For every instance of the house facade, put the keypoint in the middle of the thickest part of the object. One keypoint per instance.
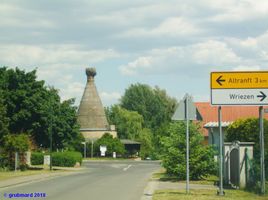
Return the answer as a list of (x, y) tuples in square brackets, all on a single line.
[(209, 123)]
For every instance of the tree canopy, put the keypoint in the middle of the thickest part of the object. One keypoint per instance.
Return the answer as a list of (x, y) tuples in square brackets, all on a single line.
[(174, 150), (153, 104), (28, 106), (3, 119), (142, 113), (128, 123)]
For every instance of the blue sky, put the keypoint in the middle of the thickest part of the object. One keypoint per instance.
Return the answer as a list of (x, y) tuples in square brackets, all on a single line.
[(173, 44)]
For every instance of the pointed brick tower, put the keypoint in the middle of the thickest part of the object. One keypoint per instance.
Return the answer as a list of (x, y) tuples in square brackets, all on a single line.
[(91, 115)]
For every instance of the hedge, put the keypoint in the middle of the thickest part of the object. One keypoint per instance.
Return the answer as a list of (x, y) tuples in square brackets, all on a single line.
[(66, 159), (37, 158), (62, 159)]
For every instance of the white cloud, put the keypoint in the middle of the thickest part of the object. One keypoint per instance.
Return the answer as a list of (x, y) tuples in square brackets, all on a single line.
[(72, 90), (186, 38), (253, 49), (238, 10), (189, 59), (62, 80), (13, 15), (58, 65), (133, 67), (173, 27), (109, 98), (214, 53), (50, 54), (247, 68)]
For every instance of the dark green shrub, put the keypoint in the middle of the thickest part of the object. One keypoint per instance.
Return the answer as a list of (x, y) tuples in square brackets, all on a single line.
[(37, 158), (3, 161), (23, 167), (112, 144), (201, 158), (66, 159)]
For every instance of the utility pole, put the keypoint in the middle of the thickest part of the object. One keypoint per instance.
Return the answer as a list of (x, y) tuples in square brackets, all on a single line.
[(50, 133)]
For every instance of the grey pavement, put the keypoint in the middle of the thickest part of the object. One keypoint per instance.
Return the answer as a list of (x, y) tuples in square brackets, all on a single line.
[(113, 180)]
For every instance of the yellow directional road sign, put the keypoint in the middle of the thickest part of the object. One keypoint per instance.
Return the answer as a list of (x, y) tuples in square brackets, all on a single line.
[(239, 88), (239, 80)]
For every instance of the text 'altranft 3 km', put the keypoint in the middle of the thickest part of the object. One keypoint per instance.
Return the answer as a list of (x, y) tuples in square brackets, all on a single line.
[(239, 88)]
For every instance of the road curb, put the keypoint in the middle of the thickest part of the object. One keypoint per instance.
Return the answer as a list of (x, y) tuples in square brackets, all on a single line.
[(149, 190)]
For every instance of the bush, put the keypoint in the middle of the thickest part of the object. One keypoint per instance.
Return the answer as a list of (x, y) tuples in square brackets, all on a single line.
[(66, 159), (37, 158), (201, 159), (112, 144), (3, 161)]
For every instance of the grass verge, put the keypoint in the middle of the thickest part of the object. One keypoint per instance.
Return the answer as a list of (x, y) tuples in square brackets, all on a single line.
[(5, 175), (205, 195), (162, 176)]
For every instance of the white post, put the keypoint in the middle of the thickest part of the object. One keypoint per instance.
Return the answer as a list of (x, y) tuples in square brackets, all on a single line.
[(16, 161)]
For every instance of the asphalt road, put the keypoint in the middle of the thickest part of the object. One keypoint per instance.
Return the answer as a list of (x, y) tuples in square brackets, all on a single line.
[(106, 180)]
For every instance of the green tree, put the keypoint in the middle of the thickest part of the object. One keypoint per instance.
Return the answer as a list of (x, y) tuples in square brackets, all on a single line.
[(64, 127), (23, 96), (174, 152), (31, 107), (3, 120), (145, 138), (247, 130), (154, 105), (128, 123), (112, 144)]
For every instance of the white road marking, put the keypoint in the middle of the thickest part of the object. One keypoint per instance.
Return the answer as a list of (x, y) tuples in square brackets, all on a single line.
[(126, 168)]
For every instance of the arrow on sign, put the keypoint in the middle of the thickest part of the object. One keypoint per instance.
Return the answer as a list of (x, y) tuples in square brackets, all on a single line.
[(262, 96), (219, 80)]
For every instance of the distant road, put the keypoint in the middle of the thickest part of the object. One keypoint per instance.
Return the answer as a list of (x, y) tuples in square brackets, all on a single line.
[(102, 180)]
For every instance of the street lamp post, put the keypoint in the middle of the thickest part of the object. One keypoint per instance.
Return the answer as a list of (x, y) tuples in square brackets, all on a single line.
[(50, 147), (50, 118)]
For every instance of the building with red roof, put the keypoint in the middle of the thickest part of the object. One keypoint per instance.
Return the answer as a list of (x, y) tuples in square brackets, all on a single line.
[(209, 115)]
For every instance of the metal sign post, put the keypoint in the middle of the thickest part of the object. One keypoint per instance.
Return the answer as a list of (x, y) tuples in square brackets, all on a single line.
[(186, 111), (240, 88), (262, 150), (221, 192), (187, 146), (50, 146)]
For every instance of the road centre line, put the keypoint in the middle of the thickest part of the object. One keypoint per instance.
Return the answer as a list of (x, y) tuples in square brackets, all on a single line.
[(126, 168)]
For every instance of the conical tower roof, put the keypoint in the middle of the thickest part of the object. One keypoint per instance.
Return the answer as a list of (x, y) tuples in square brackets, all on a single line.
[(91, 115)]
